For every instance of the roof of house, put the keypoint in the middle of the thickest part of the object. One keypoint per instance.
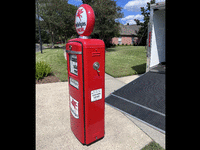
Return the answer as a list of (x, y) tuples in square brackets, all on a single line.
[(129, 29)]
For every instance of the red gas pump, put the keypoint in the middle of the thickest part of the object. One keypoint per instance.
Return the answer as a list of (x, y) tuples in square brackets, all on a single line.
[(86, 76)]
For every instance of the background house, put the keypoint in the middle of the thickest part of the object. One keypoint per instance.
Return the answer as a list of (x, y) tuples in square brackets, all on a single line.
[(128, 35)]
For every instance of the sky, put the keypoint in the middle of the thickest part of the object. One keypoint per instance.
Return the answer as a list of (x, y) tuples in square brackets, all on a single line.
[(130, 8)]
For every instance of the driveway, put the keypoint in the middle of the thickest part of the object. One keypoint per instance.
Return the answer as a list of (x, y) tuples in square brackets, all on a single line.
[(53, 122)]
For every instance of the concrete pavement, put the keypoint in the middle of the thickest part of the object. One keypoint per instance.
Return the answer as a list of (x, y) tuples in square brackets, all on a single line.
[(128, 79), (53, 121)]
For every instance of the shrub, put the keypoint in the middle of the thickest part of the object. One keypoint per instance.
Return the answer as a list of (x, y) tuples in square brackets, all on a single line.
[(122, 44), (42, 69), (70, 38), (126, 44), (108, 45), (118, 44)]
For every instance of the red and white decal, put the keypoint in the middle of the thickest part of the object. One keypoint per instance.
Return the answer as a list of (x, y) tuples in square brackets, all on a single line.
[(74, 107), (81, 20)]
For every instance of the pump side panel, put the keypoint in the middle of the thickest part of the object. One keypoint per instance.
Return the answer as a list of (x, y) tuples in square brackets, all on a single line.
[(94, 51)]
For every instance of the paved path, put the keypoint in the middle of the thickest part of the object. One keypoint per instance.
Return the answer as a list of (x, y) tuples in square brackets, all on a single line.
[(128, 79), (53, 121), (37, 47)]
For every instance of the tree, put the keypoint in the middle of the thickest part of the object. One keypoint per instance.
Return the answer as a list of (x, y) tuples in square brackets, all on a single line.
[(142, 33), (44, 34), (106, 11), (59, 18), (66, 28)]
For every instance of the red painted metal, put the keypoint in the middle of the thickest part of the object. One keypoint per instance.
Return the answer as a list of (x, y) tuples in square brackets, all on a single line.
[(87, 123), (149, 38)]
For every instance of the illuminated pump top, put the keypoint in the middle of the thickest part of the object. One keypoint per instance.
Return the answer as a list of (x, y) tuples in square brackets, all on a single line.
[(84, 21)]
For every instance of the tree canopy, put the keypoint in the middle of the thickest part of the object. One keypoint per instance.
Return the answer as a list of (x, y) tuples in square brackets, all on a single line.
[(142, 33), (58, 18), (106, 12)]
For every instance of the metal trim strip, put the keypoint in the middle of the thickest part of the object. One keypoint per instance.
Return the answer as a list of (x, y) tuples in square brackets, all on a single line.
[(73, 52), (139, 105)]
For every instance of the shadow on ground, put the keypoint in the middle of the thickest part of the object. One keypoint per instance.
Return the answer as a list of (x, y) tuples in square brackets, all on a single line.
[(110, 49), (140, 68)]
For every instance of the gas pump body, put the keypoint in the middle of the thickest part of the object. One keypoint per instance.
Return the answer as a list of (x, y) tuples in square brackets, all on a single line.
[(86, 76)]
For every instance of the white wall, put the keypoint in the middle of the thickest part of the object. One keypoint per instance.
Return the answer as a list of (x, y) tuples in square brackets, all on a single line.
[(158, 38)]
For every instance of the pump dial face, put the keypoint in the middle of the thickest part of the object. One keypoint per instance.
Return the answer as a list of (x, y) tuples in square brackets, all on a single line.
[(96, 65)]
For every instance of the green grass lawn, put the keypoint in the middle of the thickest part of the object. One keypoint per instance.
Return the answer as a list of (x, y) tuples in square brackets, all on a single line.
[(45, 44), (125, 60), (55, 58), (119, 61)]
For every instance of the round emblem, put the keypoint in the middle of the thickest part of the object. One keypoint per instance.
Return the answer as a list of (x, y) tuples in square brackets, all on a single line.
[(84, 20)]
